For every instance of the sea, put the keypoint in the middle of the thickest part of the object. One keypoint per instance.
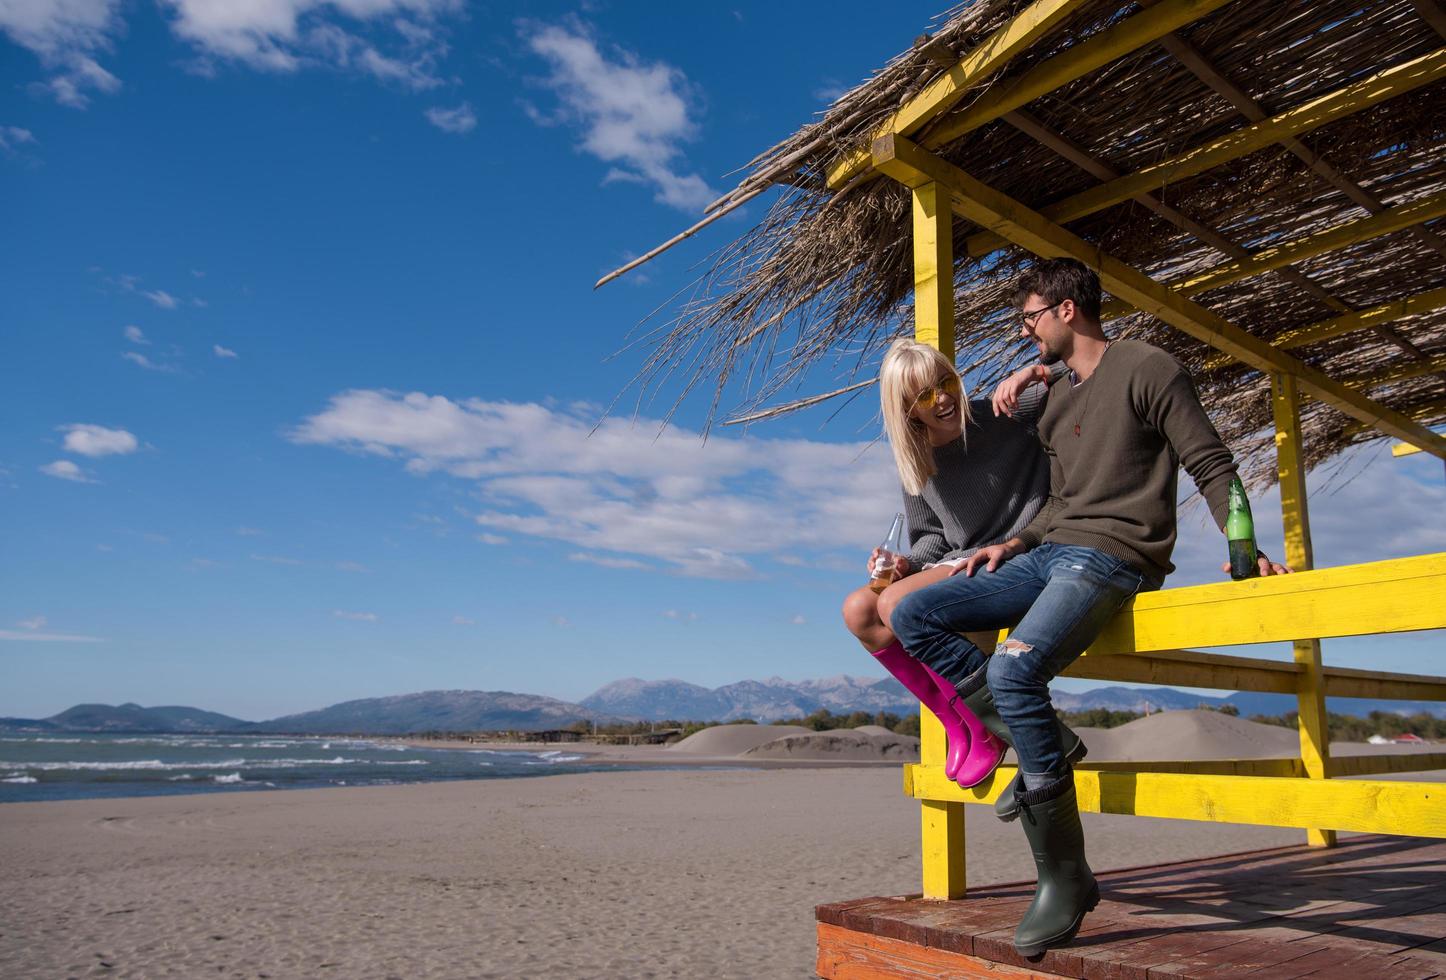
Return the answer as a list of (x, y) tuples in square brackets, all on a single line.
[(88, 766)]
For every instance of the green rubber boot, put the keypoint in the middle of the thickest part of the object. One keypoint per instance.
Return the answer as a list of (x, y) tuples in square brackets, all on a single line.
[(975, 695), (1067, 889)]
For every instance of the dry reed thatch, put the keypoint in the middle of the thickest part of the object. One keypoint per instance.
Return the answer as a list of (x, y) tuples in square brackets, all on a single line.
[(825, 278)]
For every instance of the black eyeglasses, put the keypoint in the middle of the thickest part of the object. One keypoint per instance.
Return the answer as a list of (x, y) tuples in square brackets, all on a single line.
[(1031, 317)]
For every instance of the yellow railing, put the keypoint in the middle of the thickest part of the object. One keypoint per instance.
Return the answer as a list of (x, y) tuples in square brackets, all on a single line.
[(1144, 644)]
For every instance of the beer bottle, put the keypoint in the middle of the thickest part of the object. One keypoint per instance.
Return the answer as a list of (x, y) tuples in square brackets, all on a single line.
[(1240, 533), (886, 567)]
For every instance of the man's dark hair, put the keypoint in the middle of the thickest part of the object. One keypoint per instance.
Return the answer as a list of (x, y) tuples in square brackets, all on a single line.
[(1058, 280)]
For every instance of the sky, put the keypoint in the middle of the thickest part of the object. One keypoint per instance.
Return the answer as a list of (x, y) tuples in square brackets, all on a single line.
[(306, 389)]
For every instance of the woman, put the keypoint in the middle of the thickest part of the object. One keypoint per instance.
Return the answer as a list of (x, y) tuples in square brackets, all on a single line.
[(971, 478)]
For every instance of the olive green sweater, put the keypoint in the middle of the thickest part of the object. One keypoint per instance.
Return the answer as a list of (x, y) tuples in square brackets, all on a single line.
[(1113, 485)]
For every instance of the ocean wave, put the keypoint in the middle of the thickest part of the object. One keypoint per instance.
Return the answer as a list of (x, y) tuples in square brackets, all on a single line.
[(19, 779), (234, 777), (560, 757), (156, 765), (53, 741)]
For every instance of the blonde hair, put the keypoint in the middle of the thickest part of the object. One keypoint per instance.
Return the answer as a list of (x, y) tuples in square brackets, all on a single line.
[(908, 368)]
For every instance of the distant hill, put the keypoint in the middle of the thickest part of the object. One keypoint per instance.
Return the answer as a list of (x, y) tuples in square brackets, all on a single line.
[(436, 711), (127, 718), (759, 700), (633, 699)]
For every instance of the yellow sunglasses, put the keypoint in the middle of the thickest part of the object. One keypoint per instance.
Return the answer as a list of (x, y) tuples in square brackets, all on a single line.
[(929, 397)]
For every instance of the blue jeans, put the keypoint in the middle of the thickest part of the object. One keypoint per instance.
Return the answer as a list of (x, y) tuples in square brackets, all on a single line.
[(1056, 597)]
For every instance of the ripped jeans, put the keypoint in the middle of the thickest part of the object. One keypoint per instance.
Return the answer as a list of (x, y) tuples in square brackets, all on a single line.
[(1056, 597)]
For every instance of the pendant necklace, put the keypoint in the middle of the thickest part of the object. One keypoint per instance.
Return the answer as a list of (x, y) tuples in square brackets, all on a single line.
[(1085, 404)]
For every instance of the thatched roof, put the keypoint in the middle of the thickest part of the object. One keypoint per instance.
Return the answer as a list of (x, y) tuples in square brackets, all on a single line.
[(825, 278)]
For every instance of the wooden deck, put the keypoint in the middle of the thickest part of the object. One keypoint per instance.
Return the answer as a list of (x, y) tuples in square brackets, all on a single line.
[(1373, 908)]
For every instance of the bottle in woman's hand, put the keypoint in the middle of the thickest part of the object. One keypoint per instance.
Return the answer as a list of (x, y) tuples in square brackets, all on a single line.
[(885, 566)]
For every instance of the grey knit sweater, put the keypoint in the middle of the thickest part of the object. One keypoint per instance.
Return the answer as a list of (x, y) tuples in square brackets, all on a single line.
[(989, 485)]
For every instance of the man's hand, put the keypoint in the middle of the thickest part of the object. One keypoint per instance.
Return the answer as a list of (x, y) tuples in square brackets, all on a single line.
[(990, 557), (1267, 567), (1006, 397)]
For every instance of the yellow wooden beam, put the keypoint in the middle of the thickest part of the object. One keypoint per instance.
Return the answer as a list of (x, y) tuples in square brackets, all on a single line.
[(916, 167), (1421, 413), (1188, 668), (1279, 768), (934, 269), (1074, 62), (1315, 736), (1340, 236), (1316, 113), (1375, 316), (1374, 765), (941, 823), (1028, 26), (1400, 808), (1403, 372), (1395, 596), (1404, 449), (1349, 682)]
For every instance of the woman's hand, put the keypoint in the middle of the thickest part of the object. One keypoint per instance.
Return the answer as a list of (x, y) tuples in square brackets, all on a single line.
[(901, 564), (1006, 397)]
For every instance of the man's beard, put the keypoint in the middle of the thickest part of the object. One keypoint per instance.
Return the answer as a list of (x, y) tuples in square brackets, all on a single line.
[(1049, 356)]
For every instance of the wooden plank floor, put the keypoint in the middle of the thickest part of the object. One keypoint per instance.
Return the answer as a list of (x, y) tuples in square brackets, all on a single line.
[(1373, 908)]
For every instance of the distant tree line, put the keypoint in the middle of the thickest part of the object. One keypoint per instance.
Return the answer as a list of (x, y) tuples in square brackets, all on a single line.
[(1348, 728)]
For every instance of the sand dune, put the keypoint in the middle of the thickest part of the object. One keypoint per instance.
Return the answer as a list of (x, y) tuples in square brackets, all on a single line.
[(732, 740), (841, 745), (1191, 734)]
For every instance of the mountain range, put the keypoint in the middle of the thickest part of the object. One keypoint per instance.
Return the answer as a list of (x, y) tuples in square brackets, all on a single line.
[(633, 699)]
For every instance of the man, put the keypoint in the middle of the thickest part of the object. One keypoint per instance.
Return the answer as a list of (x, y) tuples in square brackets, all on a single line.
[(1116, 432)]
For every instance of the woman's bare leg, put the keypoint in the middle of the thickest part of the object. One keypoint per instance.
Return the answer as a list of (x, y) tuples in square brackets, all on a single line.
[(865, 612)]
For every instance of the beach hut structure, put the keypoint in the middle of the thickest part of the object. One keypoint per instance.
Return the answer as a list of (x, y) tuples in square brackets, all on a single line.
[(1261, 187)]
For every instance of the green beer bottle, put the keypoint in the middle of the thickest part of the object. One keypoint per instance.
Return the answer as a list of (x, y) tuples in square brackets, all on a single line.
[(1240, 533)]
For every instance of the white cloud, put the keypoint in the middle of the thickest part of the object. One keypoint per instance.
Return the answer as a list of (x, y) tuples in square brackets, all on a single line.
[(66, 35), (150, 365), (161, 298), (492, 539), (48, 637), (606, 561), (680, 616), (460, 119), (352, 566), (627, 491), (634, 115), (249, 532), (361, 617), (220, 351), (64, 469), (561, 622), (97, 440), (798, 620), (136, 335), (288, 35), (463, 621), (33, 623), (13, 137), (276, 559)]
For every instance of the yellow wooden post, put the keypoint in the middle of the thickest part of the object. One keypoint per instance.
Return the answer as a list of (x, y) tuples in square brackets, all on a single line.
[(942, 823), (1310, 695)]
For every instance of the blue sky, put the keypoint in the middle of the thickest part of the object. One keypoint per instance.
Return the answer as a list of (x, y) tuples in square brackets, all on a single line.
[(302, 358)]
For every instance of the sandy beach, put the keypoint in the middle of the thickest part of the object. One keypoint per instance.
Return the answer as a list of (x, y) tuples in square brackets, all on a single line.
[(709, 872)]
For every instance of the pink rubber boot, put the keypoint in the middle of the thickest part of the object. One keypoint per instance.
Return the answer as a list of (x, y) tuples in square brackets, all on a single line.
[(935, 694), (986, 750)]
